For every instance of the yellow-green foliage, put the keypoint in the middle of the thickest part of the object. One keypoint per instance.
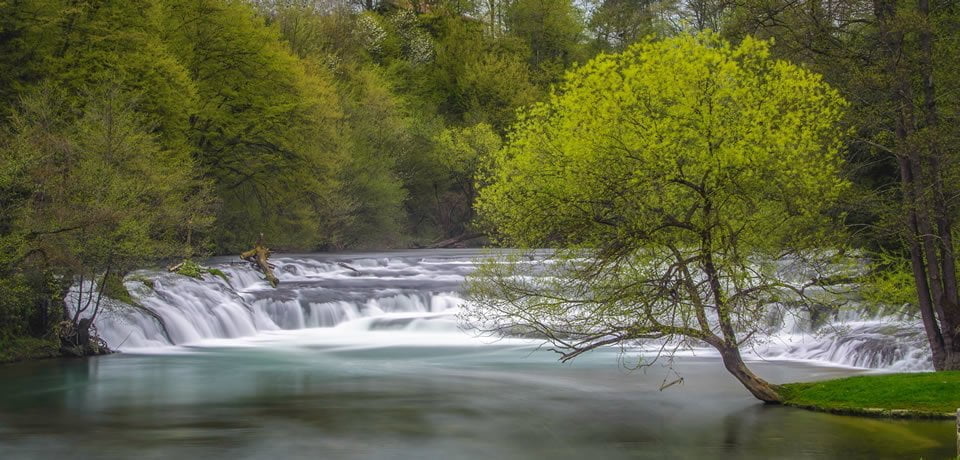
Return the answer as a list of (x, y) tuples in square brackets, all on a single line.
[(686, 129), (99, 191), (464, 151), (121, 44), (673, 179), (483, 80), (265, 132), (890, 284), (191, 269)]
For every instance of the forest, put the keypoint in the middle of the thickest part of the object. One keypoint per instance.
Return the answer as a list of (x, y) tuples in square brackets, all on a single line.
[(148, 132)]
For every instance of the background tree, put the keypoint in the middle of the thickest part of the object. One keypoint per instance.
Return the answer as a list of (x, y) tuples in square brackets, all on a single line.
[(553, 29), (263, 132), (676, 179), (96, 196), (617, 24), (895, 61), (464, 152), (380, 139), (924, 170)]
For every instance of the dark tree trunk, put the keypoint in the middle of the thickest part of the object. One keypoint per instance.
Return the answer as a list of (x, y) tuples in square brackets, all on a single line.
[(78, 342), (924, 195), (948, 310), (83, 333), (728, 345), (758, 387)]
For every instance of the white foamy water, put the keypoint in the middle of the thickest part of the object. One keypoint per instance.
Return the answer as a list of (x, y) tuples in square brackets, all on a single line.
[(872, 342), (374, 291), (410, 298)]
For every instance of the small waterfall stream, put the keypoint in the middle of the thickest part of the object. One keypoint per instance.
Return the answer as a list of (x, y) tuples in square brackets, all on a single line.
[(852, 338), (418, 292)]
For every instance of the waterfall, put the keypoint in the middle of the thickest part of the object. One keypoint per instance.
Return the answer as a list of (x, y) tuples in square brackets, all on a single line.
[(418, 292), (315, 292), (867, 341)]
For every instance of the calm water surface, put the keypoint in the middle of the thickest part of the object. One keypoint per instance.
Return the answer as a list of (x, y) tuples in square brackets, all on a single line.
[(313, 394), (389, 375)]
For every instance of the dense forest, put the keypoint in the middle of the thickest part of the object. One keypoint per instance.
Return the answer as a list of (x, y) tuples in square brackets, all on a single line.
[(143, 131)]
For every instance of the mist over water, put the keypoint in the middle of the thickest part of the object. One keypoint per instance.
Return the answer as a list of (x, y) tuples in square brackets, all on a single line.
[(360, 356), (413, 297)]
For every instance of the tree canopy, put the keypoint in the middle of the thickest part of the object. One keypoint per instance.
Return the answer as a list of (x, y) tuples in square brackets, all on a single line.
[(339, 124), (672, 178)]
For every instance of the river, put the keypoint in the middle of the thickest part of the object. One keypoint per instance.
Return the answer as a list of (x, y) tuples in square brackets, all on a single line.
[(360, 356)]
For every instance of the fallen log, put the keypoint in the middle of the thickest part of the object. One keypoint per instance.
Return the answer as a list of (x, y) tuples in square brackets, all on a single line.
[(348, 267), (258, 256), (455, 240)]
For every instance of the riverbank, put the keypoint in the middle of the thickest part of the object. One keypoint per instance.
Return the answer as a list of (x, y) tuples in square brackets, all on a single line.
[(28, 348), (914, 395)]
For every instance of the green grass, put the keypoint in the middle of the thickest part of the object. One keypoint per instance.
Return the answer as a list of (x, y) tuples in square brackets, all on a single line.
[(25, 348), (916, 394)]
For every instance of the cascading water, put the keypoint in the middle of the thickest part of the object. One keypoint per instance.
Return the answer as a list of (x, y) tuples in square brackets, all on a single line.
[(417, 293), (315, 292), (853, 338)]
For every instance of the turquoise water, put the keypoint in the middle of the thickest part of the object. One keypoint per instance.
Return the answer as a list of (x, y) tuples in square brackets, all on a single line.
[(381, 395), (360, 356)]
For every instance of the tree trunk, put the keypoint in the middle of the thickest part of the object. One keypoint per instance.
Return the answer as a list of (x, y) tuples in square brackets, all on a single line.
[(948, 310), (83, 334), (728, 345), (923, 253), (758, 387), (951, 361), (924, 196), (77, 340)]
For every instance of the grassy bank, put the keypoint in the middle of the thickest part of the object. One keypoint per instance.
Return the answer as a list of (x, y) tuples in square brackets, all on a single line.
[(26, 348), (930, 394)]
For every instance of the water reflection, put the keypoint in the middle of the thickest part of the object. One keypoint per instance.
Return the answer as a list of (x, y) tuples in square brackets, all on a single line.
[(421, 402)]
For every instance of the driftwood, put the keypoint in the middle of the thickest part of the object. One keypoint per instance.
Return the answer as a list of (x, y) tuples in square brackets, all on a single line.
[(455, 240), (258, 256), (348, 267), (665, 385)]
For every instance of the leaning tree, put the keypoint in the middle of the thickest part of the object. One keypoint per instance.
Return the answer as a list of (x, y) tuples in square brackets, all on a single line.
[(676, 181)]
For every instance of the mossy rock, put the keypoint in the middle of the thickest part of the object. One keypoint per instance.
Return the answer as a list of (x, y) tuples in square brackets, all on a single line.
[(196, 271)]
